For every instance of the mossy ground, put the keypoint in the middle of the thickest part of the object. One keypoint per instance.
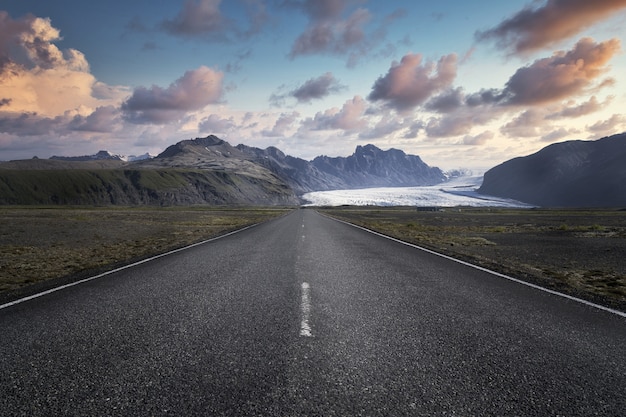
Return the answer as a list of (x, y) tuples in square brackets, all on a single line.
[(43, 243)]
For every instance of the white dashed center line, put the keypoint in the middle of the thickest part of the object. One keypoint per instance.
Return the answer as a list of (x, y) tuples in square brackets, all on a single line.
[(305, 310)]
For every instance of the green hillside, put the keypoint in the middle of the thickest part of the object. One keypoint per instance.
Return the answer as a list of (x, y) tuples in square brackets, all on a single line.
[(138, 187)]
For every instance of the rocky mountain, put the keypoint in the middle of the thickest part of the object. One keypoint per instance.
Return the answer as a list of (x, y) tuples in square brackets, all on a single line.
[(367, 167), (568, 174), (370, 166)]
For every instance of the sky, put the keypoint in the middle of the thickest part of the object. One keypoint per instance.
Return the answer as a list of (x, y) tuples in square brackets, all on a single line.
[(462, 84)]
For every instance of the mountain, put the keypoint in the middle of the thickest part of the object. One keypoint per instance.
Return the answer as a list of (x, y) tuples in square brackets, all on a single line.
[(100, 156), (205, 171), (568, 174), (367, 167), (370, 166)]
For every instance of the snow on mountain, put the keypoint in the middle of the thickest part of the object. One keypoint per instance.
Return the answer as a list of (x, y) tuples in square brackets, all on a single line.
[(133, 158)]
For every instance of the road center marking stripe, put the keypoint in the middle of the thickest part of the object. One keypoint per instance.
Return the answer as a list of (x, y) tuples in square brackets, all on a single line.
[(305, 310)]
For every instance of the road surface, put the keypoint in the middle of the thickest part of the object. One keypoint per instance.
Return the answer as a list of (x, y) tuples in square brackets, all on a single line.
[(307, 316)]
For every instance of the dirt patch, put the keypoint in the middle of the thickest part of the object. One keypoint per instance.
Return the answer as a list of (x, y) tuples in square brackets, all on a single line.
[(579, 252), (41, 247)]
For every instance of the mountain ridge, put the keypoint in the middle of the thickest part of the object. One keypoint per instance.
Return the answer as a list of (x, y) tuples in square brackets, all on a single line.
[(573, 173), (205, 170)]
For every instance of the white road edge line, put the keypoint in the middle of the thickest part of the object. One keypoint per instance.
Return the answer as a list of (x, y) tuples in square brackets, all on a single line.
[(305, 310), (519, 281), (121, 268)]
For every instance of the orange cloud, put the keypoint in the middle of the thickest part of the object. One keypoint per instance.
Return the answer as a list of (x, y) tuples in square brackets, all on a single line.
[(557, 20), (563, 75), (37, 77)]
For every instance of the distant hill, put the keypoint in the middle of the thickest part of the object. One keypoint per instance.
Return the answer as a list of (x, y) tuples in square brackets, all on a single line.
[(100, 156), (568, 174)]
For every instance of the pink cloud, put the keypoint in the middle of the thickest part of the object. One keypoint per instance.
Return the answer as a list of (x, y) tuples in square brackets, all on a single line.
[(571, 111), (478, 140), (348, 118), (216, 124), (615, 124), (410, 83), (555, 20), (193, 91), (565, 74), (282, 125)]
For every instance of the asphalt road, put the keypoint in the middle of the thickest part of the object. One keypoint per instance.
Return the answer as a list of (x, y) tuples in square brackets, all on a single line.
[(306, 316)]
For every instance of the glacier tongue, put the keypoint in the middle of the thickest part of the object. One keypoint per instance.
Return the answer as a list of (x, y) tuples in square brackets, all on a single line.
[(458, 192)]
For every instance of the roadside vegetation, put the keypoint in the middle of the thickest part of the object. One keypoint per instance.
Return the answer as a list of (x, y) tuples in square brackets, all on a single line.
[(39, 244), (579, 252)]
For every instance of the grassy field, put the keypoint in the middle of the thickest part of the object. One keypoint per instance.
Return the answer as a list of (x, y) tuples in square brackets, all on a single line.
[(580, 252), (40, 244)]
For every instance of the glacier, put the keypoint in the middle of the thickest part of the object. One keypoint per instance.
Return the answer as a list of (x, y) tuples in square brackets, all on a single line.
[(460, 191)]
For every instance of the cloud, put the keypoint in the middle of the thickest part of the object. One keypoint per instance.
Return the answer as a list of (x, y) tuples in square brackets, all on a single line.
[(558, 134), (447, 101), (572, 111), (216, 124), (452, 125), (104, 119), (193, 91), (478, 140), (530, 123), (408, 83), (386, 126), (614, 124), (562, 75), (547, 80), (37, 77), (336, 28), (204, 19), (349, 117), (555, 20), (312, 89), (317, 88), (36, 36), (331, 35), (198, 18), (282, 125), (28, 124)]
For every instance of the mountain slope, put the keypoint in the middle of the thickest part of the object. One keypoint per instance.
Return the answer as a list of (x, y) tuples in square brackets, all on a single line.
[(161, 187), (568, 174)]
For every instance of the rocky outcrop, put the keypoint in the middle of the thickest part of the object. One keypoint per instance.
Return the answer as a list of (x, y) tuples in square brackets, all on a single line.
[(568, 174), (368, 166)]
